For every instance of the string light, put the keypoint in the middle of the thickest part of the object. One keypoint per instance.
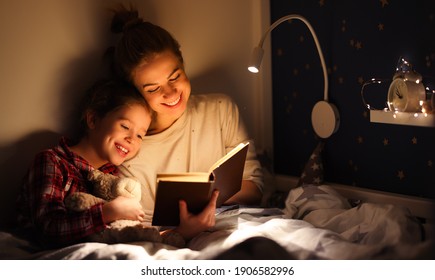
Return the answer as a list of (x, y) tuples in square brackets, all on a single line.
[(371, 81), (379, 81)]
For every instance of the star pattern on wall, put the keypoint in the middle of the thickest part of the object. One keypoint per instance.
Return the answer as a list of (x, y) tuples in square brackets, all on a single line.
[(355, 44), (384, 3), (352, 165), (401, 174), (343, 25)]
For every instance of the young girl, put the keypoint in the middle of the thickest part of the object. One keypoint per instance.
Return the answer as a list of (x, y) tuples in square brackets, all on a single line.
[(189, 132), (114, 122)]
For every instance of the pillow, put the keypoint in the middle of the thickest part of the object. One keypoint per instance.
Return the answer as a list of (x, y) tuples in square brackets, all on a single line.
[(303, 200), (313, 171)]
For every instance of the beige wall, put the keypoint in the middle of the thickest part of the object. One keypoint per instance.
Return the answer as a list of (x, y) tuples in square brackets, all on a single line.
[(50, 51)]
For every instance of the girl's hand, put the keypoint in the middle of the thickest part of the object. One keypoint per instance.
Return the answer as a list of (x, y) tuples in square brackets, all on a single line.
[(123, 208), (190, 224)]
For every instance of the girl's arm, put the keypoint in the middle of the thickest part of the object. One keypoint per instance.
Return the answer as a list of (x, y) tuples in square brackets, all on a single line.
[(48, 183), (123, 208)]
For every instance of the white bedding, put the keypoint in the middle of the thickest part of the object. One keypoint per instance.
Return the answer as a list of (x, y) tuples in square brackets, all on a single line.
[(316, 223)]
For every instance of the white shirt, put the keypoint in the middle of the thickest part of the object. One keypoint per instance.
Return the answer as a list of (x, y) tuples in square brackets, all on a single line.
[(208, 129)]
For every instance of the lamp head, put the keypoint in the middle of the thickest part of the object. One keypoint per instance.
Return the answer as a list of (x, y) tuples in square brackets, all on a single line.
[(257, 56)]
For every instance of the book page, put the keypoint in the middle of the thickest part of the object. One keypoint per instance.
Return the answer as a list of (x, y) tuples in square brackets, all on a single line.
[(184, 177)]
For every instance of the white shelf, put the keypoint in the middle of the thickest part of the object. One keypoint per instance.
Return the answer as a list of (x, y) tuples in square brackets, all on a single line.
[(402, 118)]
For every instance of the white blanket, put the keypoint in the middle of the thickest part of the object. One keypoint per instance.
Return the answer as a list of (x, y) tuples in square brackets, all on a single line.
[(316, 223)]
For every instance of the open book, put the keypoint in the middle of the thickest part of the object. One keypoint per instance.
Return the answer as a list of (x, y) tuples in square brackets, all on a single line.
[(196, 188)]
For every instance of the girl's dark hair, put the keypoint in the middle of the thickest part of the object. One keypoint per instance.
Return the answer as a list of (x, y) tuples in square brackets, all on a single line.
[(106, 96), (139, 41)]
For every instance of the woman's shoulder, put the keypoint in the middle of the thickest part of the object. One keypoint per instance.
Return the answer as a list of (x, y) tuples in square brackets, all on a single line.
[(212, 99), (212, 104)]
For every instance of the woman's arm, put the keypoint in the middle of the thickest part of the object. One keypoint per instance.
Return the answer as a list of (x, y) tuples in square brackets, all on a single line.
[(235, 132), (249, 194)]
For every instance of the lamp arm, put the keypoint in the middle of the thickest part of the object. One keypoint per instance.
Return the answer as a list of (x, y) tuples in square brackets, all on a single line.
[(316, 41)]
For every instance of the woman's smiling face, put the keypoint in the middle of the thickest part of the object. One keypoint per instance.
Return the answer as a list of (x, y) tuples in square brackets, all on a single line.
[(163, 83)]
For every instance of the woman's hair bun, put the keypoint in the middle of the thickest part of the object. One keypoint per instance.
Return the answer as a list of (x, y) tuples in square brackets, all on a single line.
[(124, 19)]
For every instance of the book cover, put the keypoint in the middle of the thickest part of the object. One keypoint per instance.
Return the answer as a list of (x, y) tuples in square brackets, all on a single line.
[(196, 187)]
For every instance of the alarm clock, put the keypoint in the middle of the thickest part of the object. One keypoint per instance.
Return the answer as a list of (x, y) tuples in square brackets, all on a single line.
[(406, 92)]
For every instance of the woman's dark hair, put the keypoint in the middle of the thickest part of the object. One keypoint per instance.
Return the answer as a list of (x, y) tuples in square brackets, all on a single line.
[(140, 41), (106, 96)]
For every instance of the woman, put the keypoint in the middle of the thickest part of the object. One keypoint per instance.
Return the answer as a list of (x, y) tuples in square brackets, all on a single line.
[(189, 132)]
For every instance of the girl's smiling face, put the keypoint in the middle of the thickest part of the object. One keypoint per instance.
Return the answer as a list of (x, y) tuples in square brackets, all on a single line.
[(118, 135), (163, 83)]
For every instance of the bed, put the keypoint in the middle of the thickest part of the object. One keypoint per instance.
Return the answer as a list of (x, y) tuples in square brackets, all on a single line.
[(323, 221)]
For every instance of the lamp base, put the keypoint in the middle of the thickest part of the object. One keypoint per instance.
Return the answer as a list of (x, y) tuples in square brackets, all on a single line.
[(325, 119)]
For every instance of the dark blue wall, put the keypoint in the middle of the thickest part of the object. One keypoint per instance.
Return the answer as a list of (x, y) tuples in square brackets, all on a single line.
[(360, 40)]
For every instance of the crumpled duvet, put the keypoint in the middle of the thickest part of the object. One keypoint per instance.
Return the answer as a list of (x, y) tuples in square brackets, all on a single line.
[(316, 223)]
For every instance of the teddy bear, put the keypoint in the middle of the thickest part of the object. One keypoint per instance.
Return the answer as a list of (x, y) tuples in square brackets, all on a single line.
[(106, 187)]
